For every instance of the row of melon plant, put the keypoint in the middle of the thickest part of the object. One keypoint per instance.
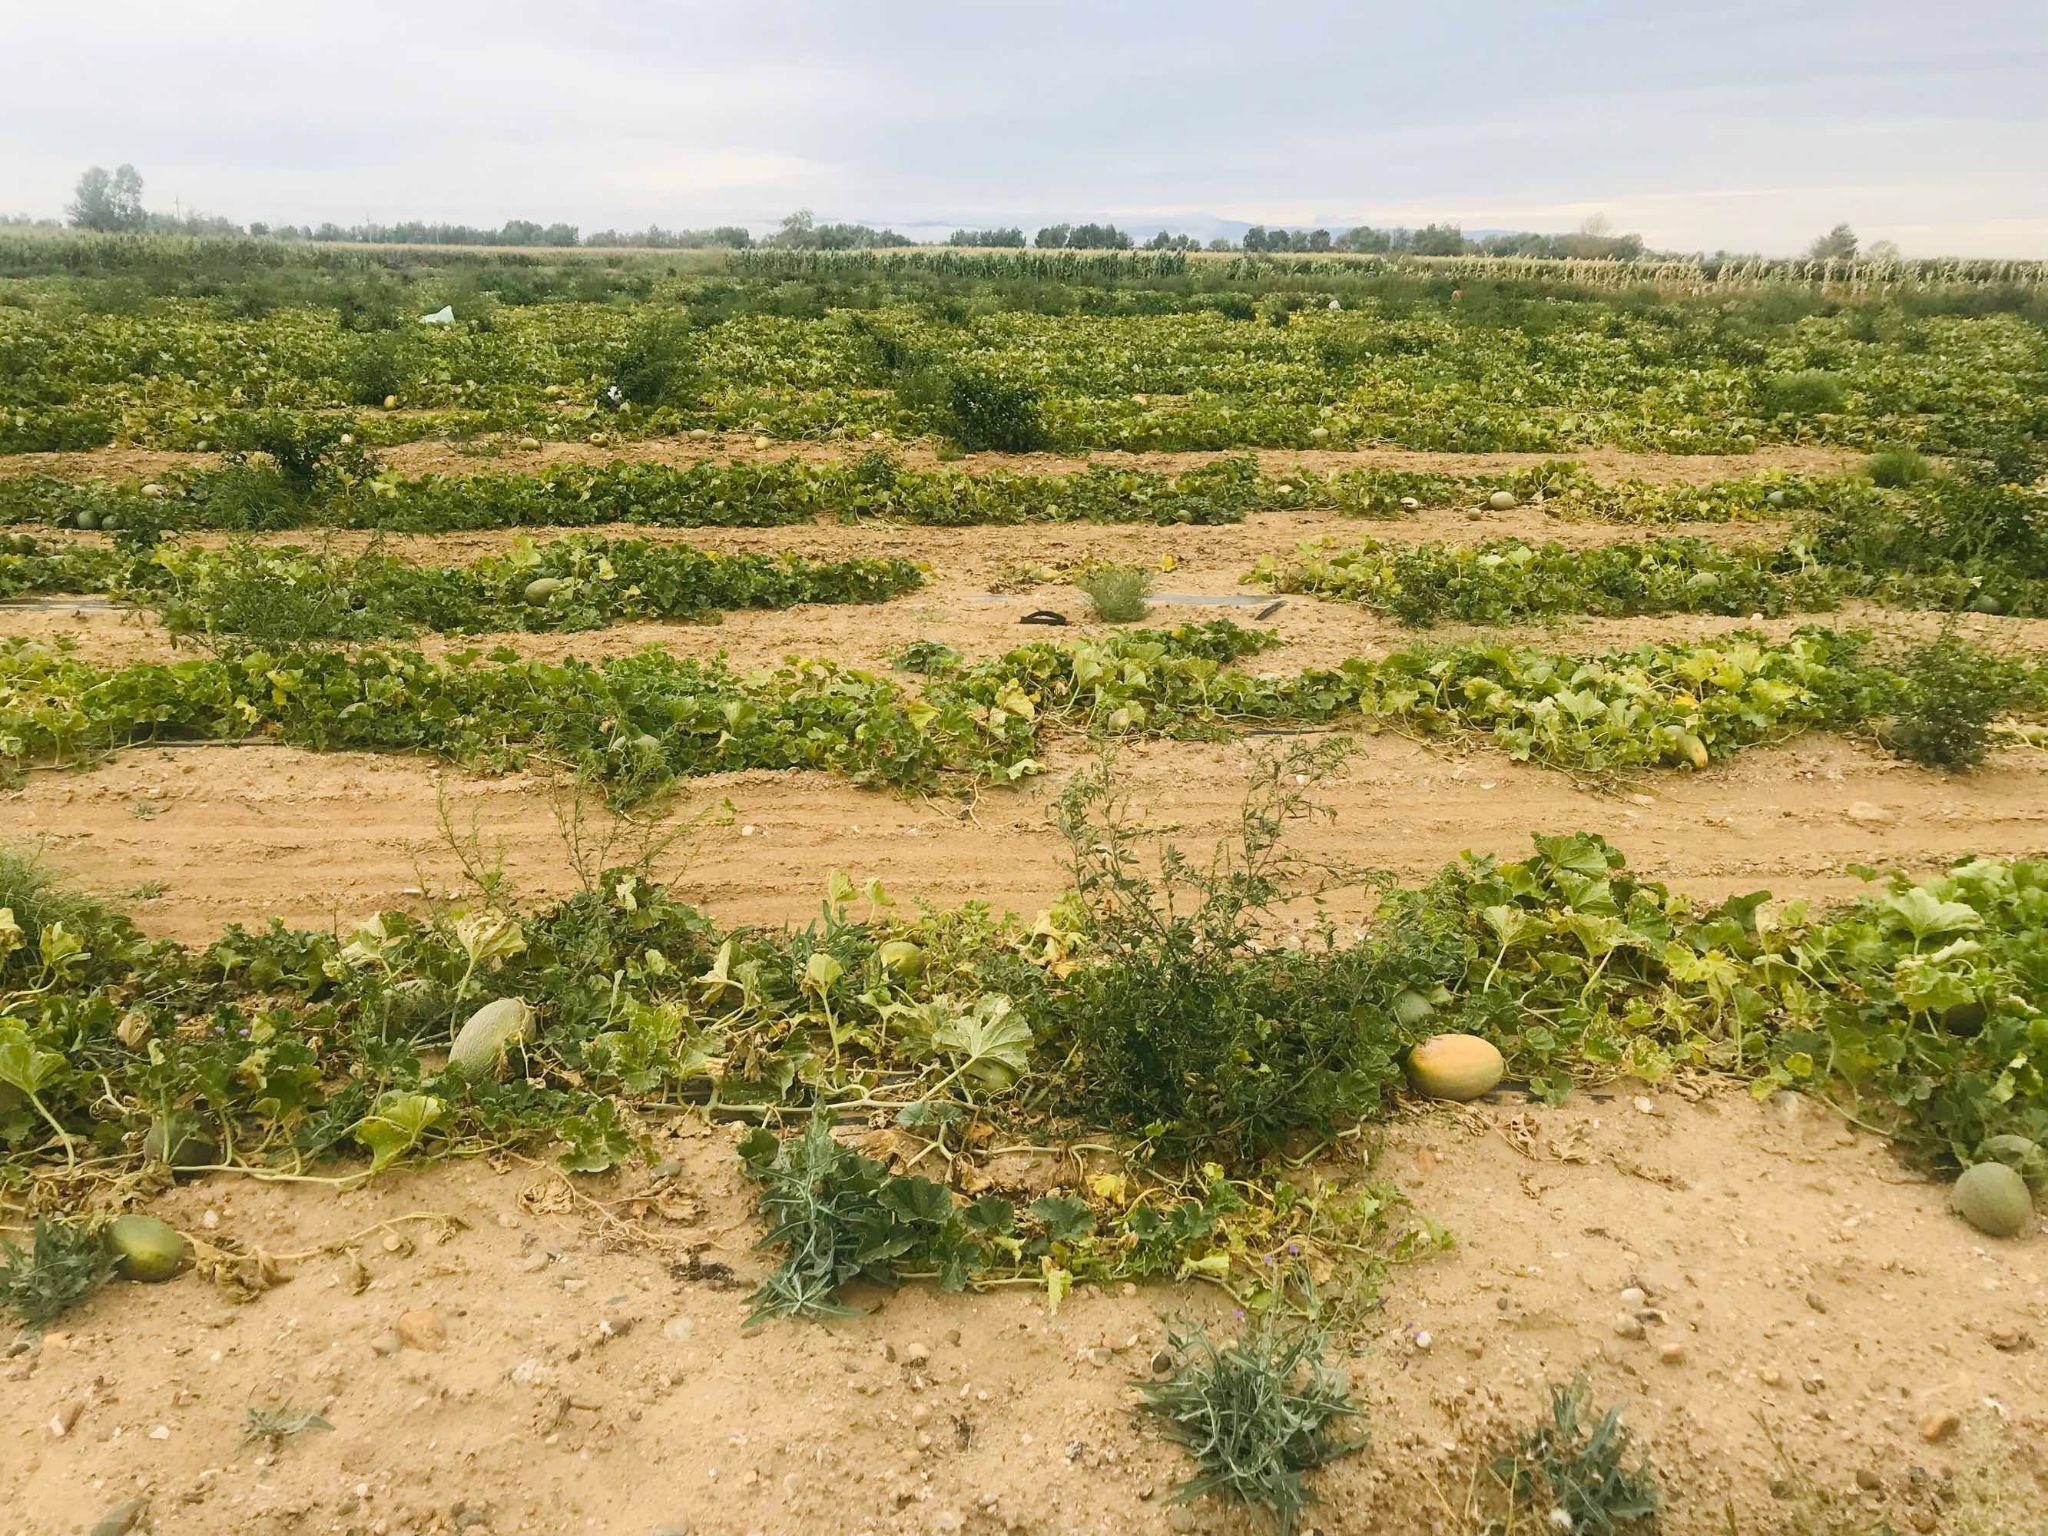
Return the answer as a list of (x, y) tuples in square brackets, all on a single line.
[(256, 495), (1912, 1007), (1510, 581), (287, 594), (642, 721)]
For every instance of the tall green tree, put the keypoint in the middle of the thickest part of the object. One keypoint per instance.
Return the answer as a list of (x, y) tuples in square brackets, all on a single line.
[(108, 199), (1838, 244)]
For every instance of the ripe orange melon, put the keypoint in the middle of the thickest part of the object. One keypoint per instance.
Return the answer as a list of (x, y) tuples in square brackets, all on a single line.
[(1454, 1067)]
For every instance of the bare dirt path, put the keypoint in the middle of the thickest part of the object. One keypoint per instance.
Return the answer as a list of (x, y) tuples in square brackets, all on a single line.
[(203, 836), (1825, 1342), (501, 455)]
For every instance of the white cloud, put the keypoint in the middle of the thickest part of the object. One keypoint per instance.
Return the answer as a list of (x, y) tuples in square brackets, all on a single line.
[(1738, 125)]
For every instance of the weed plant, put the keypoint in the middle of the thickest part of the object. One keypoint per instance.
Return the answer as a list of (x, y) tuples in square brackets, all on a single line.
[(64, 1265), (1256, 1414), (1120, 594)]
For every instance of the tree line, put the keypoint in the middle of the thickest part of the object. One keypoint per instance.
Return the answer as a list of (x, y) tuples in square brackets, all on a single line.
[(112, 201)]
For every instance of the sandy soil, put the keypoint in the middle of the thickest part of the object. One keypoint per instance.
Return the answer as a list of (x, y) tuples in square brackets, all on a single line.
[(503, 454), (211, 835), (574, 1360)]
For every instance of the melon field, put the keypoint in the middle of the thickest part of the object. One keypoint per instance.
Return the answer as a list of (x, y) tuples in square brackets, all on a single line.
[(1019, 894)]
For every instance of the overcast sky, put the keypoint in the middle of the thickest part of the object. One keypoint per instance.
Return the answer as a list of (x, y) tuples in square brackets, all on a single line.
[(1745, 126)]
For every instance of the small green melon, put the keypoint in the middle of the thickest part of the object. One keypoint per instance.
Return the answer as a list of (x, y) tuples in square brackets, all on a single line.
[(1411, 1008), (902, 958), (145, 1248), (1776, 498), (1985, 602), (540, 591), (1503, 501), (1966, 1017), (1454, 1067), (88, 520), (178, 1141), (1994, 1199), (480, 1045)]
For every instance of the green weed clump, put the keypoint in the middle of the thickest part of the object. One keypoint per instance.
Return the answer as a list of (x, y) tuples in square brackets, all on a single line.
[(1951, 692), (1256, 1414), (657, 366), (1810, 392), (1120, 594), (66, 1263), (988, 411), (1187, 1029), (1893, 468), (1582, 1462)]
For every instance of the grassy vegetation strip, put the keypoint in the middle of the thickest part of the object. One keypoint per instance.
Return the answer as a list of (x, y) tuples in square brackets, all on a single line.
[(1938, 542), (638, 722)]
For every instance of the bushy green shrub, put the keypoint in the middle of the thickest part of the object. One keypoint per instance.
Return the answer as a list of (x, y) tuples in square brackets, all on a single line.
[(1188, 1028), (1809, 392), (1893, 468), (376, 369), (657, 366), (989, 412), (1120, 593), (1952, 692)]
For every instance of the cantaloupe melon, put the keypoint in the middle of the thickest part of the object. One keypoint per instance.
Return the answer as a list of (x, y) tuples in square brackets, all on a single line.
[(902, 958), (482, 1043), (145, 1248), (541, 589), (1454, 1067), (177, 1141), (1994, 1199), (1503, 501)]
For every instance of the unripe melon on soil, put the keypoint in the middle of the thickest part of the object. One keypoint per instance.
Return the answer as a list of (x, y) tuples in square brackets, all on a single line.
[(539, 591), (1994, 1199), (1776, 498), (1503, 501), (145, 1248), (480, 1045), (1984, 602), (1454, 1067), (88, 520)]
